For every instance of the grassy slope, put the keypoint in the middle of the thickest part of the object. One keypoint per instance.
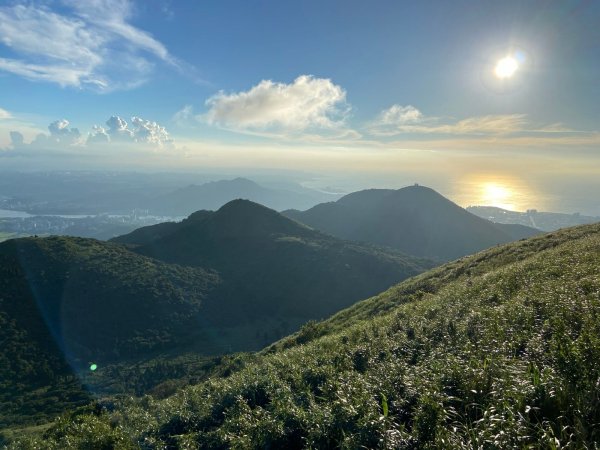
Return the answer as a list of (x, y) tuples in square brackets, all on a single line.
[(496, 350)]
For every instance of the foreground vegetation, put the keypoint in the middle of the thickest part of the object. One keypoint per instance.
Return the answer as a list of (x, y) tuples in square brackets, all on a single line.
[(497, 350)]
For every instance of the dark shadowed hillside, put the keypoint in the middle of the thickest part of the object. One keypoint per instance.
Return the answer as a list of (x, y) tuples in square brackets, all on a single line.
[(273, 268), (415, 220)]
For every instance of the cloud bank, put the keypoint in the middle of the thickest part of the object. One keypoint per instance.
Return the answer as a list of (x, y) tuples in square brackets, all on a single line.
[(305, 103), (60, 137), (139, 133), (86, 44)]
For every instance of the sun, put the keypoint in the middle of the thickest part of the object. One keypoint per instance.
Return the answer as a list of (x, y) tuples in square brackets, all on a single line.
[(506, 67)]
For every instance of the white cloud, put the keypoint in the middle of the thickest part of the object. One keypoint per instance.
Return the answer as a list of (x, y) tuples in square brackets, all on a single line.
[(140, 131), (117, 129), (111, 15), (150, 132), (98, 135), (4, 114), (61, 75), (399, 115), (306, 103), (60, 137), (87, 44)]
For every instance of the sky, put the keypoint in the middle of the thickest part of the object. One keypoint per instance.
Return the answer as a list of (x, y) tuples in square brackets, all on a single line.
[(358, 94)]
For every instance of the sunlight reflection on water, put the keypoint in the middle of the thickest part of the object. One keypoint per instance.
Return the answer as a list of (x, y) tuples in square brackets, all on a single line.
[(502, 191)]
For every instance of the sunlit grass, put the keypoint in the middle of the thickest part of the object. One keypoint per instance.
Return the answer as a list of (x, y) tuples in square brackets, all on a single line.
[(4, 236)]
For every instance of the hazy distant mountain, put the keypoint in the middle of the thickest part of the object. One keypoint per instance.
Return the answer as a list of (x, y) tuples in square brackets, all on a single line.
[(168, 194), (213, 195), (85, 192), (546, 221), (416, 220)]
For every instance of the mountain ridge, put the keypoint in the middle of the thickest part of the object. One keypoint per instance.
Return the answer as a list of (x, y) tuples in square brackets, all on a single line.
[(416, 220), (245, 239)]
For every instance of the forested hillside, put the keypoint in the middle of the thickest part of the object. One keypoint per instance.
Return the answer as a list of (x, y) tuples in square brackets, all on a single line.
[(66, 303), (273, 268)]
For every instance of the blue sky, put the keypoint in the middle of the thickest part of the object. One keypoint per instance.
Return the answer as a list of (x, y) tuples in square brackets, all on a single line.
[(363, 87)]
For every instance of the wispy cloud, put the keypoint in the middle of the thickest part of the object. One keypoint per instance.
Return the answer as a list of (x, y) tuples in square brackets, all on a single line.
[(475, 126), (407, 120), (4, 114), (184, 117), (111, 16), (307, 103), (86, 44)]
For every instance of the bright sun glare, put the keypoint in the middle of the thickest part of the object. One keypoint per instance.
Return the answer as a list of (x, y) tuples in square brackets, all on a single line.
[(494, 194), (506, 67)]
